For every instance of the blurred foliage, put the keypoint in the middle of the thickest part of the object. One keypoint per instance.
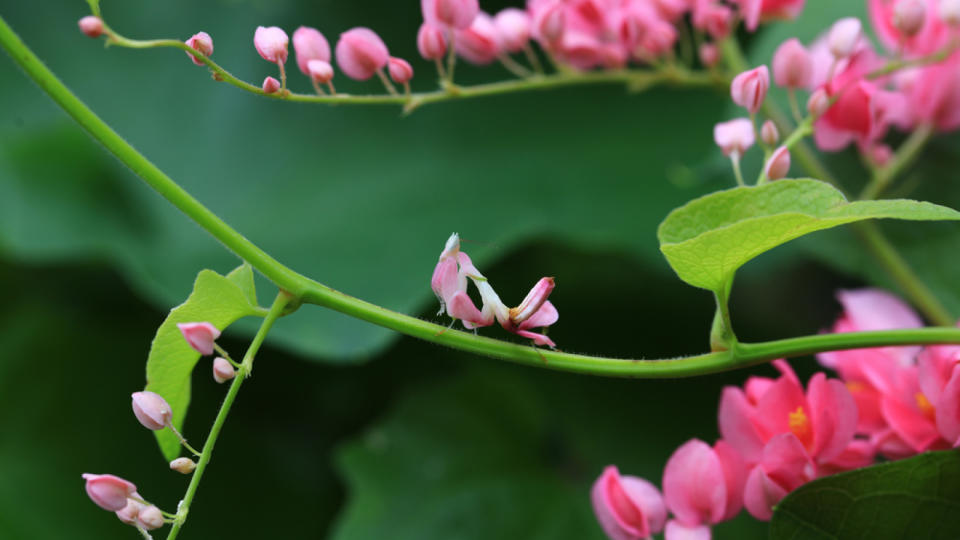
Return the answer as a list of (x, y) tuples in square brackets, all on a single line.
[(421, 442)]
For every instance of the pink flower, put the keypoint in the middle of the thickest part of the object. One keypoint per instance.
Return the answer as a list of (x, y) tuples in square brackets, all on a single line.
[(778, 165), (202, 42), (200, 335), (91, 26), (431, 42), (361, 53), (844, 36), (909, 16), (627, 507), (749, 89), (513, 25), (128, 514), (933, 95), (734, 137), (792, 65), (757, 11), (703, 485), (769, 133), (309, 44), (714, 18), (784, 466), (400, 70), (949, 12), (183, 465), (271, 42), (151, 410), (270, 86), (479, 43), (888, 19), (457, 14), (709, 54), (108, 491), (150, 518), (320, 71), (222, 370), (549, 21)]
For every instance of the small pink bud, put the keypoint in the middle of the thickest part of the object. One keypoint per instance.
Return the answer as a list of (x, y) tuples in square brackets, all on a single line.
[(709, 54), (818, 103), (749, 89), (202, 42), (627, 507), (549, 22), (478, 44), (735, 136), (533, 301), (320, 71), (844, 36), (309, 44), (271, 42), (400, 70), (361, 53), (151, 410), (150, 518), (128, 514), (108, 491), (222, 369), (778, 165), (431, 42), (792, 65), (270, 86), (769, 133), (183, 465), (950, 12), (201, 335), (881, 154), (909, 16), (91, 26), (514, 27), (457, 14)]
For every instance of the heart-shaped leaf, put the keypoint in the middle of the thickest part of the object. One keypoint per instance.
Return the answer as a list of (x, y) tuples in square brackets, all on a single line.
[(707, 240), (215, 299), (913, 498)]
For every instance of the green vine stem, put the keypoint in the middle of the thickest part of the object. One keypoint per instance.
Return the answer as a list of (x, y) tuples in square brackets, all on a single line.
[(303, 289), (246, 366)]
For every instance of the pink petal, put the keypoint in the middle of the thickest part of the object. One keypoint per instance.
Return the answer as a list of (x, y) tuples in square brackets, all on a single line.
[(445, 280), (461, 307), (761, 494), (648, 498), (735, 418), (620, 516), (948, 409), (918, 431), (857, 454), (774, 409), (539, 339), (545, 316), (833, 414), (694, 485), (676, 531), (735, 475), (786, 461)]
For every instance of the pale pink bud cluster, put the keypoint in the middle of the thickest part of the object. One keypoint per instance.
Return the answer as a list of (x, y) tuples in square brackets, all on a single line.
[(449, 282), (202, 43), (91, 26), (115, 494)]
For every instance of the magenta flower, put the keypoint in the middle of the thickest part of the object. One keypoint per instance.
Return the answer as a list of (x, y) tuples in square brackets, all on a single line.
[(151, 410), (479, 43), (202, 42), (431, 42), (458, 14), (909, 25), (400, 70), (784, 466), (702, 486), (201, 335), (309, 44), (108, 491), (757, 11), (361, 53), (627, 507)]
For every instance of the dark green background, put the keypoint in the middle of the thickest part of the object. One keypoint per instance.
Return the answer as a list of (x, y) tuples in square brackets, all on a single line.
[(346, 431)]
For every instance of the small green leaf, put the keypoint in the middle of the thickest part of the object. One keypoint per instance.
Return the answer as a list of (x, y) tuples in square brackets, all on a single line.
[(215, 299), (708, 239), (912, 498)]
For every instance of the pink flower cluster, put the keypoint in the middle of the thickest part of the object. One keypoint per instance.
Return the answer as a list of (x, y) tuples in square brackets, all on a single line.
[(449, 283), (777, 436)]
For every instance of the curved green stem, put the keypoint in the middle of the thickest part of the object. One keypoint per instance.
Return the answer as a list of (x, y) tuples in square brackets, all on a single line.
[(903, 158), (276, 310)]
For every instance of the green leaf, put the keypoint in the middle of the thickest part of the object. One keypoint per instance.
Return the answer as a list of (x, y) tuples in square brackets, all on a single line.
[(912, 498), (707, 240), (215, 299)]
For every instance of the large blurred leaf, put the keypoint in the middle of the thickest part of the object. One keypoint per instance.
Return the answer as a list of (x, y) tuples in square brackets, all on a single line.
[(912, 498), (707, 240), (215, 299), (359, 198)]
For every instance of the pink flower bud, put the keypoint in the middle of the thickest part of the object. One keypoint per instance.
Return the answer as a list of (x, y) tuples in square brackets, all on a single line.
[(108, 491), (222, 369), (431, 42), (183, 465), (202, 42), (271, 42), (881, 154), (533, 301), (909, 16), (91, 26), (480, 43), (514, 27), (949, 11), (769, 133), (270, 85), (844, 36), (400, 70), (128, 514), (201, 335), (778, 165), (735, 136), (549, 22), (150, 518), (361, 53), (457, 14), (627, 507), (749, 89), (151, 410), (818, 103), (792, 65), (309, 44), (709, 54), (320, 71)]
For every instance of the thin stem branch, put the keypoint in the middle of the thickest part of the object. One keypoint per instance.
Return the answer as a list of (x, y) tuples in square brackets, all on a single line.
[(283, 298), (903, 158)]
